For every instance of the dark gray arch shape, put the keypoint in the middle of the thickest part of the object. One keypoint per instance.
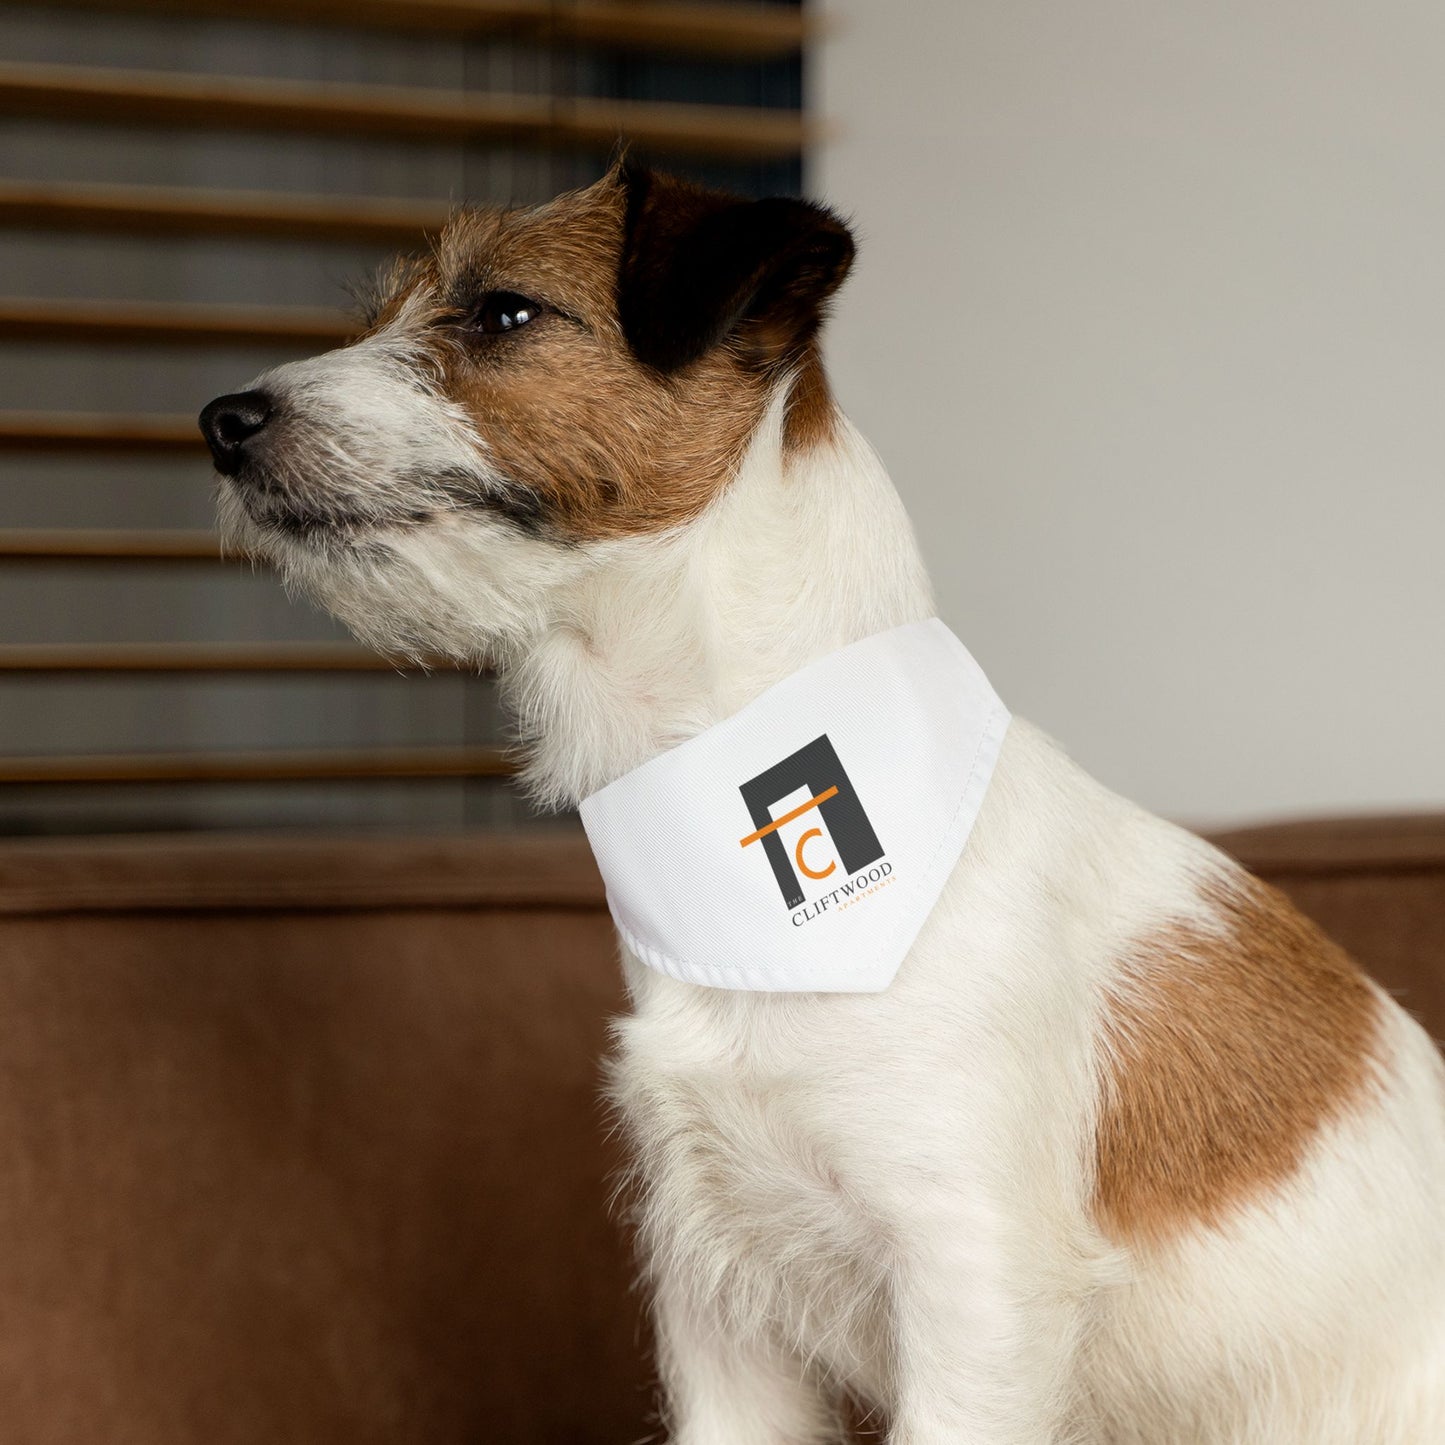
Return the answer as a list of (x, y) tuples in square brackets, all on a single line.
[(817, 767)]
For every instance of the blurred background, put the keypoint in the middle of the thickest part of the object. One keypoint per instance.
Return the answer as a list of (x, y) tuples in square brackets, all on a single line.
[(187, 193), (1149, 324)]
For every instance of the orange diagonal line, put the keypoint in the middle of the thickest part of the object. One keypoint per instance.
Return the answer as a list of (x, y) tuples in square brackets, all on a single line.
[(788, 817)]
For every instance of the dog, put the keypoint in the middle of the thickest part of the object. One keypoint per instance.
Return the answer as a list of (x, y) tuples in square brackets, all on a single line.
[(1128, 1152)]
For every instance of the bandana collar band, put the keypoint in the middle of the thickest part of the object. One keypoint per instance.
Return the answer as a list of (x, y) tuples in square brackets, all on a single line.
[(800, 845)]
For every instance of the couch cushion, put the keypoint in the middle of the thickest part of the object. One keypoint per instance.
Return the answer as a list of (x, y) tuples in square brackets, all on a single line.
[(302, 1143)]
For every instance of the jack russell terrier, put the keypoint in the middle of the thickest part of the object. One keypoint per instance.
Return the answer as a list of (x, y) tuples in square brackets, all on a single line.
[(1095, 1139)]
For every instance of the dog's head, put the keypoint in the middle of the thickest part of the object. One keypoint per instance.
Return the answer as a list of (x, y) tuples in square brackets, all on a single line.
[(544, 383)]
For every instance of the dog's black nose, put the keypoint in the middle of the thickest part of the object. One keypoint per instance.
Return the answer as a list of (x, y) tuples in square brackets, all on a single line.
[(229, 422)]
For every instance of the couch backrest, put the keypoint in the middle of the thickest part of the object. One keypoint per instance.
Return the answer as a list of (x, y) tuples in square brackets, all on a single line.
[(302, 1142)]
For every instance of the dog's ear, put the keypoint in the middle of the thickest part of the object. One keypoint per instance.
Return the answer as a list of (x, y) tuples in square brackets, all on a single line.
[(700, 266)]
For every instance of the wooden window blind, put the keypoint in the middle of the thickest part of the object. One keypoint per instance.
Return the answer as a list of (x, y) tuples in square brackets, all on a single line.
[(185, 188)]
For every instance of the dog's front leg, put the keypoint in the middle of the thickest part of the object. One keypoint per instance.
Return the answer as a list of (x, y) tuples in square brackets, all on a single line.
[(984, 1337), (723, 1387)]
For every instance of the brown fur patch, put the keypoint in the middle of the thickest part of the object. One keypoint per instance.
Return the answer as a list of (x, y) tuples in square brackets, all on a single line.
[(1227, 1052), (603, 444), (812, 415)]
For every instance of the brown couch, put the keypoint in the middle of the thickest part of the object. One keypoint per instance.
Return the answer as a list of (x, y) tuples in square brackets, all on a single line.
[(302, 1141)]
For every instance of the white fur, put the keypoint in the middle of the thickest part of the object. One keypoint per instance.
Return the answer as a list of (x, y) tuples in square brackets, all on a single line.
[(889, 1194)]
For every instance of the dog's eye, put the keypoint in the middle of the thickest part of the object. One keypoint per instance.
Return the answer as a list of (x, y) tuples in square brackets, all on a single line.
[(504, 311)]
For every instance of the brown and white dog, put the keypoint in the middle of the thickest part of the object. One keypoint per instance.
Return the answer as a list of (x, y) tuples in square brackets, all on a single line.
[(1128, 1152)]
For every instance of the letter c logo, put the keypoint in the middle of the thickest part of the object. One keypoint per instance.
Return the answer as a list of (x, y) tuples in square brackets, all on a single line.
[(798, 854)]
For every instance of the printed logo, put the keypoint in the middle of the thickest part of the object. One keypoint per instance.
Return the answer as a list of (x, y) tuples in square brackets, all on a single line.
[(816, 769)]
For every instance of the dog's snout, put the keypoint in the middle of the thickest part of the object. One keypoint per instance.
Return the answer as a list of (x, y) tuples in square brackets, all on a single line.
[(229, 422)]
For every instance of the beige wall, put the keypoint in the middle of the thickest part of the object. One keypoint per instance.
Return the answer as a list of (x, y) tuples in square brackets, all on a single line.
[(1149, 324)]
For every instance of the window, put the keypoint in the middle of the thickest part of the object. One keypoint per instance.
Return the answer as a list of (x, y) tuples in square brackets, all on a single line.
[(185, 193)]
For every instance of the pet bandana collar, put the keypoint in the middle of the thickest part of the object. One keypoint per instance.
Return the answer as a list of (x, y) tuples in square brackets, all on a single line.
[(800, 845)]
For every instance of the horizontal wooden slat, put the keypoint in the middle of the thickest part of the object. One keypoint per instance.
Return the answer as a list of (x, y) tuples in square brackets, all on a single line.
[(84, 431), (331, 765), (175, 211), (220, 102), (192, 657), (79, 544), (756, 32), (294, 869), (707, 28), (171, 323)]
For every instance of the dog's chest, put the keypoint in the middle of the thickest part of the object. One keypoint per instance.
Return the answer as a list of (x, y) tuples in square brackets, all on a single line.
[(746, 1184)]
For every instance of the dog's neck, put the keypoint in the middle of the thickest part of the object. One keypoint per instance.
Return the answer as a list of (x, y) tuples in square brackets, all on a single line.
[(803, 553)]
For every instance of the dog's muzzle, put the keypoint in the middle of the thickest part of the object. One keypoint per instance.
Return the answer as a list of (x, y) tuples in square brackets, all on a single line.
[(231, 423)]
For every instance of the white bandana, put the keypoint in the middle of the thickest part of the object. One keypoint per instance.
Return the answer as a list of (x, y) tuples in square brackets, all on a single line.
[(801, 844)]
